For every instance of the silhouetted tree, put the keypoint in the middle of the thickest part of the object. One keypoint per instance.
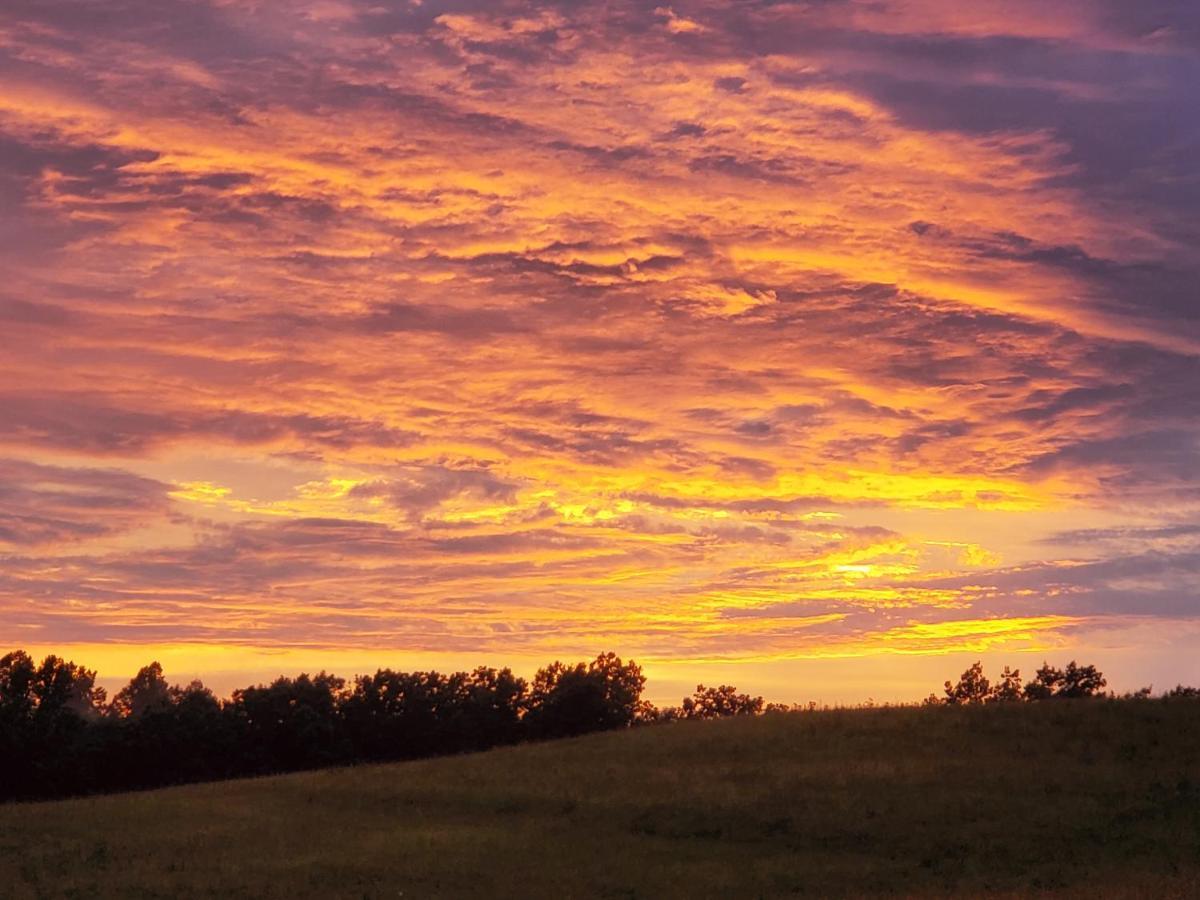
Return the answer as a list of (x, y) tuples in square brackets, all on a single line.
[(623, 686), (60, 686), (1045, 684), (17, 702), (17, 673), (972, 687), (1081, 681), (1074, 681), (47, 710), (489, 708), (570, 700), (397, 715), (204, 742), (1182, 692), (289, 724), (657, 715), (715, 703), (148, 690), (1008, 689), (157, 734)]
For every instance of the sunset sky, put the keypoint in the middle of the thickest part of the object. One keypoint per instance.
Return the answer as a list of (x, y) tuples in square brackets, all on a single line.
[(820, 348)]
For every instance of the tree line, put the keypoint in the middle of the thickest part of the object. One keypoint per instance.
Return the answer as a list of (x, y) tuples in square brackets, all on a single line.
[(60, 734), (1048, 683), (974, 687)]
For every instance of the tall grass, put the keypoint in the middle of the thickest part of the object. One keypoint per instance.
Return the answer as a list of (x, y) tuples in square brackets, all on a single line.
[(1080, 798)]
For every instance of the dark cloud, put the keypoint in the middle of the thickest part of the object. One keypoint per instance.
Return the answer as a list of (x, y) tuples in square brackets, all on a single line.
[(462, 323), (686, 130), (419, 490), (1161, 455), (1127, 535), (78, 422), (48, 505), (1153, 583), (783, 171)]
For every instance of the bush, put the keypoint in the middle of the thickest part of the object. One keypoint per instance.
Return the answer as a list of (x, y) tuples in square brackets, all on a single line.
[(973, 686), (1074, 681), (715, 703)]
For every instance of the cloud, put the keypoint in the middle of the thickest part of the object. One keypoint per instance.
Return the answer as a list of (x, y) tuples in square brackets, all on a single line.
[(419, 490), (51, 505), (711, 331), (79, 422)]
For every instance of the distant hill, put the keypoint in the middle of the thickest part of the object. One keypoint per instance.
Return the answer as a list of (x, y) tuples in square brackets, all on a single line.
[(1074, 798)]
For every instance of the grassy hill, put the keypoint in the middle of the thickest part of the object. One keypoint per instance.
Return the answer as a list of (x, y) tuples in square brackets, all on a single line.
[(1073, 798)]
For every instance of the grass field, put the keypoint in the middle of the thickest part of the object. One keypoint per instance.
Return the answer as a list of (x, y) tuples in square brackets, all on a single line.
[(1091, 798)]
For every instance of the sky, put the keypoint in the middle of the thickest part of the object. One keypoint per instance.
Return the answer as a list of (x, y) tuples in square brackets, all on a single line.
[(820, 348)]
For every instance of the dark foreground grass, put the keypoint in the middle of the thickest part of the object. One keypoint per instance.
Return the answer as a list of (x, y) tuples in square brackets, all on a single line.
[(1072, 798)]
